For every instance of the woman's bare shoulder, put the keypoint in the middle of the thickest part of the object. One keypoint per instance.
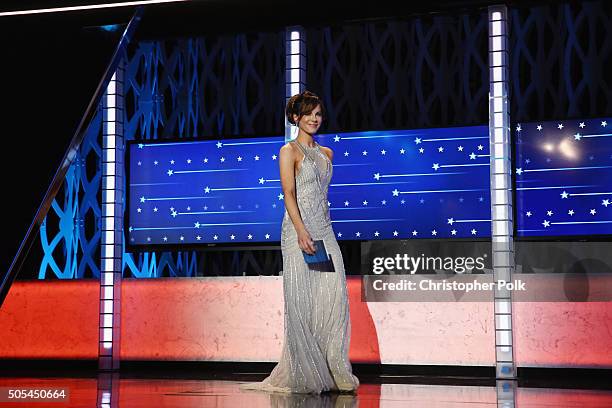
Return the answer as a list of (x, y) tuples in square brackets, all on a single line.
[(328, 151)]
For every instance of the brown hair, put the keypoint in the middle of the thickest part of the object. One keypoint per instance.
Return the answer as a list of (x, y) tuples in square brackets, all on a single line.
[(302, 104)]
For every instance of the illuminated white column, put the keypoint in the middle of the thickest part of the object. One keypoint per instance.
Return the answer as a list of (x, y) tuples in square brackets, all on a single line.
[(295, 70), (501, 196), (112, 223)]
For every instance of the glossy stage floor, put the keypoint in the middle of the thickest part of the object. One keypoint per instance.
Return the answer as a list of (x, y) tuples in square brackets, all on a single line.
[(217, 386)]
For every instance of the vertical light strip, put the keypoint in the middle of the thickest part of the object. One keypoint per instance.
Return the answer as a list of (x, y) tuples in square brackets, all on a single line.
[(501, 197), (112, 223), (295, 70)]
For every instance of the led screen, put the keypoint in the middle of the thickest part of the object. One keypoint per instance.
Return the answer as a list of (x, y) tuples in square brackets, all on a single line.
[(428, 183), (564, 178)]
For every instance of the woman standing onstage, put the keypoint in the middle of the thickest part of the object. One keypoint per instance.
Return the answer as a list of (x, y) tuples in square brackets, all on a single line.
[(317, 327)]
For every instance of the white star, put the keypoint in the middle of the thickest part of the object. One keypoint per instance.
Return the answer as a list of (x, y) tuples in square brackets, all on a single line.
[(528, 213), (155, 209), (140, 146), (440, 149), (473, 156), (383, 152), (604, 123), (564, 194), (171, 161), (329, 203), (142, 199), (131, 229), (197, 225), (232, 237), (219, 144), (481, 199), (174, 214), (365, 153), (403, 201), (414, 233), (346, 154), (395, 193), (140, 163), (570, 212), (518, 128), (473, 231), (207, 189), (165, 239), (256, 157), (422, 201), (527, 161), (454, 232), (249, 236), (274, 157), (358, 234), (395, 233), (205, 160), (188, 161), (273, 205), (222, 207), (156, 162), (539, 127), (377, 176), (139, 210), (593, 211), (261, 180), (205, 207), (402, 151), (605, 203), (435, 166), (560, 126), (434, 233), (267, 236), (519, 171), (546, 223), (149, 239), (451, 221), (222, 159), (417, 140), (577, 136), (339, 234), (336, 138), (346, 203), (549, 213), (384, 202), (365, 202), (376, 233), (460, 148), (170, 172), (215, 237), (581, 124), (182, 238), (198, 237), (239, 158), (421, 150), (281, 196)]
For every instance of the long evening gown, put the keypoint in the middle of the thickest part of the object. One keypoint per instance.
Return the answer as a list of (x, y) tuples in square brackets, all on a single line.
[(317, 327)]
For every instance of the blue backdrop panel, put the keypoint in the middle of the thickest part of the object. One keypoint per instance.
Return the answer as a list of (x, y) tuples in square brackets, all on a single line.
[(564, 177), (430, 183)]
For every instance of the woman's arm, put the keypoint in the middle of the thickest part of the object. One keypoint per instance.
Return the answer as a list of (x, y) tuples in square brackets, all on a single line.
[(286, 163)]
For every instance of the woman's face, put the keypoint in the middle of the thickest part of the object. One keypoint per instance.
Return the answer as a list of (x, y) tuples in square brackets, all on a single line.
[(311, 122)]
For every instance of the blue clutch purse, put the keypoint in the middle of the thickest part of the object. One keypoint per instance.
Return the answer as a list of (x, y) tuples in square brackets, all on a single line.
[(320, 255)]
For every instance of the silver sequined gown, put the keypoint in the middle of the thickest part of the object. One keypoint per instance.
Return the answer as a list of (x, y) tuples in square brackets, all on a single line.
[(317, 327)]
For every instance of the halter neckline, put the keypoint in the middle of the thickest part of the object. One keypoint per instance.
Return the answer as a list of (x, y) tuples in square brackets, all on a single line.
[(308, 147)]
